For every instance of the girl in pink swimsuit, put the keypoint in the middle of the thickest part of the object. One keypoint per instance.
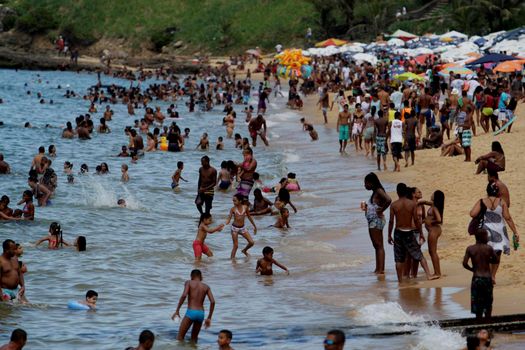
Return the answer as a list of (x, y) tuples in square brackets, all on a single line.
[(239, 212)]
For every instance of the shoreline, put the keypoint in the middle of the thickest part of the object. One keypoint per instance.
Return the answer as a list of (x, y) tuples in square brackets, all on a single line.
[(459, 180)]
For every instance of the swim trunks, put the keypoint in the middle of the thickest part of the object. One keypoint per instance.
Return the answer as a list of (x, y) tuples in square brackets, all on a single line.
[(466, 138), (481, 295), (487, 111), (199, 248), (10, 294), (195, 315), (381, 145), (245, 187), (405, 242), (224, 185), (343, 133), (396, 149), (174, 185)]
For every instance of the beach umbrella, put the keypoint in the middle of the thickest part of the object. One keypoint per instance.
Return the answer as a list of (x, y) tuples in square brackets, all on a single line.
[(396, 42), (401, 34), (456, 70), (509, 67), (408, 76), (365, 57), (253, 52), (422, 58), (331, 42), (493, 58)]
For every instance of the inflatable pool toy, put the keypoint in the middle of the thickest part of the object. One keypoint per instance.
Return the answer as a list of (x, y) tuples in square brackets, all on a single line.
[(293, 187), (163, 143), (507, 124), (75, 305)]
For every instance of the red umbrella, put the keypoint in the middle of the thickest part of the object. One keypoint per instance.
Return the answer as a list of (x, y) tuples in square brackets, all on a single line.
[(421, 59)]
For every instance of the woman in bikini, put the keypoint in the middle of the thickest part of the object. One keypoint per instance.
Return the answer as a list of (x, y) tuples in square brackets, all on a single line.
[(28, 212), (239, 212), (433, 222), (379, 201)]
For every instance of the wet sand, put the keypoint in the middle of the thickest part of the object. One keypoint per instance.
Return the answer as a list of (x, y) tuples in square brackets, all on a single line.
[(462, 189)]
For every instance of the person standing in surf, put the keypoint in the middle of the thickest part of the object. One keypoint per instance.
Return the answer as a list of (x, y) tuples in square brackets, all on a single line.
[(374, 211), (246, 170)]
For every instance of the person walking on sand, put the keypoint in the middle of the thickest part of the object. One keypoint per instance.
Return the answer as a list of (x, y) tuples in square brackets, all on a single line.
[(404, 213), (196, 292), (396, 139), (374, 211), (496, 214)]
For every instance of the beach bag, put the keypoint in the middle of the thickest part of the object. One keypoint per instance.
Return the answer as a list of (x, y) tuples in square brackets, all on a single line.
[(477, 222)]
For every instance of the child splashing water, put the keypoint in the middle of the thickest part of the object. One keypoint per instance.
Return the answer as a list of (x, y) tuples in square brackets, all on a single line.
[(239, 212)]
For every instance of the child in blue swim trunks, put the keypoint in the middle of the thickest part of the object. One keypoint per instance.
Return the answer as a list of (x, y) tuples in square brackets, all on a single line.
[(196, 291)]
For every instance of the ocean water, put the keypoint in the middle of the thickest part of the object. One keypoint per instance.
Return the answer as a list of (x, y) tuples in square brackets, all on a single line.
[(139, 257)]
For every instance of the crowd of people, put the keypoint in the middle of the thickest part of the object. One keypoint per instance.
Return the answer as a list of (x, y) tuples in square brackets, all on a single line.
[(388, 115)]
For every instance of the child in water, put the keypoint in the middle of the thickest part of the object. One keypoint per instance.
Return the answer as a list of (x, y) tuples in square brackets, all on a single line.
[(68, 170), (91, 299), (291, 183), (125, 176), (177, 176), (239, 212), (121, 203), (282, 219), (313, 134), (224, 339), (261, 205), (198, 244), (220, 144), (54, 238), (264, 265), (224, 177), (204, 143)]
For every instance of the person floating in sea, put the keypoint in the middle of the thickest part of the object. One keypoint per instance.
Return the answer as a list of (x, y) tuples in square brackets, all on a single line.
[(17, 341)]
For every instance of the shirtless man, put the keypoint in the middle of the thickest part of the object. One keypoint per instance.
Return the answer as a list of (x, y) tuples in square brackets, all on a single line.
[(384, 97), (410, 126), (136, 141), (196, 291), (37, 160), (159, 117), (482, 256), (324, 103), (108, 113), (343, 127), (206, 185), (407, 223), (256, 127), (424, 101), (146, 341), (4, 166), (17, 342), (82, 131), (11, 276), (380, 127)]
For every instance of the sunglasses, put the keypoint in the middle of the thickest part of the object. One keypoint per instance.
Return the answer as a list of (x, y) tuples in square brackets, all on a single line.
[(329, 342)]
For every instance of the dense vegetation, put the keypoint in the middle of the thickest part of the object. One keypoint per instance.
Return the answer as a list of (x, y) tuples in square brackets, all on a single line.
[(234, 25)]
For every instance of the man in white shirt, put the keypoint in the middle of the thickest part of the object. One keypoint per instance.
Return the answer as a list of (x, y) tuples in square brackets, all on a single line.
[(395, 132), (457, 83)]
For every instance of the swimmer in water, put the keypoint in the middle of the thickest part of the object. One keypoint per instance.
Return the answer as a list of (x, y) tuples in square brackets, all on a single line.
[(264, 264), (282, 219), (17, 341), (220, 144), (224, 177), (204, 143), (121, 203), (146, 341), (261, 205), (224, 339), (91, 299), (239, 212), (54, 238), (125, 177), (177, 176)]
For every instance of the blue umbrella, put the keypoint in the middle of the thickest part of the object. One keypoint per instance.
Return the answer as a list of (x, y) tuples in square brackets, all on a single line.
[(492, 58), (480, 42)]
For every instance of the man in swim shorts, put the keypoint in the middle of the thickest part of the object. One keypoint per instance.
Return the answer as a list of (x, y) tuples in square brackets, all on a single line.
[(380, 126), (11, 277), (343, 126), (206, 186), (404, 212), (196, 291), (483, 256)]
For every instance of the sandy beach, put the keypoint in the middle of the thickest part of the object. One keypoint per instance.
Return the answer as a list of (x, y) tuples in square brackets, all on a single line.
[(462, 189)]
